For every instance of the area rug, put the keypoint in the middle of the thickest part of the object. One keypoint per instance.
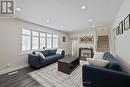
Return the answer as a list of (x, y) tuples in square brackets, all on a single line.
[(49, 76)]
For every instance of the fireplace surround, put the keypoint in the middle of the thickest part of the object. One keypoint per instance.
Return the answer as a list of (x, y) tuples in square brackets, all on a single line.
[(86, 52)]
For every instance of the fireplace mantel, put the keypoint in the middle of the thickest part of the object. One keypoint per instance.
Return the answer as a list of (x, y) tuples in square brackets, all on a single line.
[(89, 49)]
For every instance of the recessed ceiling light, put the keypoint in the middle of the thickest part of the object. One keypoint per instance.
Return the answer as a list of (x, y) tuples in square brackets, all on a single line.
[(47, 20), (61, 26), (18, 9), (90, 20), (83, 7), (93, 26)]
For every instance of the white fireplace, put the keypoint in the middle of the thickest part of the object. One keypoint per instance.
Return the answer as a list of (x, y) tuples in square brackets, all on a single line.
[(86, 52)]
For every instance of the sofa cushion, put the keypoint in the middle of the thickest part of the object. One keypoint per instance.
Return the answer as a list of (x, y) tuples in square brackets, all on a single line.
[(107, 55), (40, 54), (97, 62), (113, 64), (45, 53), (52, 52), (58, 56), (59, 51), (53, 58)]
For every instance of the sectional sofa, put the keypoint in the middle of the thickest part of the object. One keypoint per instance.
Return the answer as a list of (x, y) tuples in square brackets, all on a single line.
[(113, 75)]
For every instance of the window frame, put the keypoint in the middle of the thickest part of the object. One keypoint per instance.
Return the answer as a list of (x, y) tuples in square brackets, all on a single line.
[(39, 37), (32, 39), (53, 40), (50, 38), (22, 38)]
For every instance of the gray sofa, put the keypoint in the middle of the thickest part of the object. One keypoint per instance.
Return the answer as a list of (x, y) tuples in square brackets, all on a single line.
[(37, 62), (110, 76)]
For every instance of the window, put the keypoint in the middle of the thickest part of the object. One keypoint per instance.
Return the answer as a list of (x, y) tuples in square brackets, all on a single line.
[(42, 40), (49, 41), (26, 40), (35, 40), (55, 41)]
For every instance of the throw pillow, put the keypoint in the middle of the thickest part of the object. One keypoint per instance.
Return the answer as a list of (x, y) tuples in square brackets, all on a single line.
[(40, 54), (45, 52), (59, 51), (97, 62), (98, 55)]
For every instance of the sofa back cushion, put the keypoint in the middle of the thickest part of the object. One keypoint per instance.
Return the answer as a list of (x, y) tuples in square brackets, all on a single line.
[(113, 64), (45, 53), (52, 52)]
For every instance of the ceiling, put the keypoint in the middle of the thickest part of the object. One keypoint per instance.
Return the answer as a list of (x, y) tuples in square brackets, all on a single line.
[(66, 15)]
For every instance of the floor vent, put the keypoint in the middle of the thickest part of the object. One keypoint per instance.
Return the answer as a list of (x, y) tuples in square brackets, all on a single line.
[(12, 73)]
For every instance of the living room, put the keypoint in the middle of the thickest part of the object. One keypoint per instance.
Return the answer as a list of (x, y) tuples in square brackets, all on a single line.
[(75, 33)]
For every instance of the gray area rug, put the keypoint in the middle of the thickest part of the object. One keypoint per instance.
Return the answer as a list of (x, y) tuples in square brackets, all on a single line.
[(49, 76)]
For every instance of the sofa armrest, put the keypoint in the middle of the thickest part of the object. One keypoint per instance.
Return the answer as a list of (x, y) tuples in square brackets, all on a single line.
[(34, 60), (101, 77)]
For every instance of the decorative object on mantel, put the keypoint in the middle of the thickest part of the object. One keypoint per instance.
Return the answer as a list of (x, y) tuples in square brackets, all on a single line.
[(63, 39), (127, 22), (117, 30), (86, 39), (121, 27)]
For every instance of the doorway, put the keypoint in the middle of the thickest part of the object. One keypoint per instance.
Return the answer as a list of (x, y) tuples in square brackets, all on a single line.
[(74, 47)]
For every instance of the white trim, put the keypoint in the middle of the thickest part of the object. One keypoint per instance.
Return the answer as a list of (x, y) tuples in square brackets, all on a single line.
[(13, 69), (31, 36)]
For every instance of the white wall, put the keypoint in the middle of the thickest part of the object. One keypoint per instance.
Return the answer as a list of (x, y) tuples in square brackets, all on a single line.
[(103, 31), (122, 42), (10, 42), (77, 35)]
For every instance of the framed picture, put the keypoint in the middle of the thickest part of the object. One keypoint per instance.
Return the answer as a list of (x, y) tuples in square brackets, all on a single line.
[(121, 27), (114, 33), (63, 39), (86, 39), (127, 22), (117, 30)]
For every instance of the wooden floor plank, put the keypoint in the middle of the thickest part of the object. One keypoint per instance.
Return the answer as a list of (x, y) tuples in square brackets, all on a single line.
[(20, 79)]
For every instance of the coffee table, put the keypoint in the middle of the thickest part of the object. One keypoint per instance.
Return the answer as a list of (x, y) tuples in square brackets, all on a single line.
[(68, 64)]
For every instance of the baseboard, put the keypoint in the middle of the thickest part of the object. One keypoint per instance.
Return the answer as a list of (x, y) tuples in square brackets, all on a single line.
[(12, 69)]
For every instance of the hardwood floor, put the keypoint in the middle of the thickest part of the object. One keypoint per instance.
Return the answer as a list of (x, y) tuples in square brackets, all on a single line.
[(21, 79)]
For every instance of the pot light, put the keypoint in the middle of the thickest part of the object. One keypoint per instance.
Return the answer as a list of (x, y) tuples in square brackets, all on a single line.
[(90, 20), (47, 20), (83, 7), (18, 9), (61, 26), (70, 30), (93, 26)]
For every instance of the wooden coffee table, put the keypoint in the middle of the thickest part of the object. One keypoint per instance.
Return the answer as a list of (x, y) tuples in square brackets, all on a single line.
[(68, 64)]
